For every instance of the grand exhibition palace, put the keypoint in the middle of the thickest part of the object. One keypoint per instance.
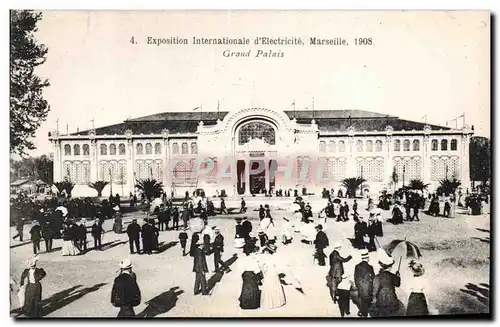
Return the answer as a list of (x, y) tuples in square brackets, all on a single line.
[(255, 150)]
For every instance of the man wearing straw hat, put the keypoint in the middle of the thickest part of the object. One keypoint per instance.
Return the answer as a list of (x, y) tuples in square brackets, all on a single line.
[(363, 279), (126, 293), (200, 268), (336, 269), (385, 302)]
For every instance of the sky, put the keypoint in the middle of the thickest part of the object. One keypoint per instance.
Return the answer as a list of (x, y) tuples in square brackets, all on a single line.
[(420, 63)]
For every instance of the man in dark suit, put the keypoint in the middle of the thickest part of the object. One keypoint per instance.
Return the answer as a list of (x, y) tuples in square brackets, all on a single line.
[(363, 279), (320, 243), (147, 234), (200, 268), (96, 232), (243, 208), (336, 269), (126, 293), (185, 215), (246, 228), (133, 232), (218, 250), (81, 235)]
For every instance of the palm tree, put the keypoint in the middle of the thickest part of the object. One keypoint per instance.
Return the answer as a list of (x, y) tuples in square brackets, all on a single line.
[(150, 187), (417, 184), (64, 186), (98, 186), (352, 184), (447, 186)]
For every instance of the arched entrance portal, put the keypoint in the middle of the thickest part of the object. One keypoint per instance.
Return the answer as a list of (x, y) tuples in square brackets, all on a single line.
[(255, 149)]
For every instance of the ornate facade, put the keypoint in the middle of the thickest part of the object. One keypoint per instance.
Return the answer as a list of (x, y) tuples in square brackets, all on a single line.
[(256, 148)]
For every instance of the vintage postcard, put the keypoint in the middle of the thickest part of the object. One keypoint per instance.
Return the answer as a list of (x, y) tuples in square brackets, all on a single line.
[(250, 164)]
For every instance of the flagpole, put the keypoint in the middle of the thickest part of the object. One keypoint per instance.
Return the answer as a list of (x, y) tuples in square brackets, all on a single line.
[(294, 113), (218, 104), (463, 120), (201, 112), (57, 125), (313, 108)]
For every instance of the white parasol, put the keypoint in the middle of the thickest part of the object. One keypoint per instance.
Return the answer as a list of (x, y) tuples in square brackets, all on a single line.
[(63, 210)]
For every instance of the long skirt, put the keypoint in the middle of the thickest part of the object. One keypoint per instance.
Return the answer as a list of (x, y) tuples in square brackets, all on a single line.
[(68, 248), (417, 305), (33, 300), (117, 228), (250, 293), (272, 295)]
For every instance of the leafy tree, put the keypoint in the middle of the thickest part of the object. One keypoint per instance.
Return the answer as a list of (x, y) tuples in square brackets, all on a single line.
[(447, 186), (480, 158), (417, 184), (150, 187), (44, 169), (28, 109), (64, 186), (352, 184), (98, 186)]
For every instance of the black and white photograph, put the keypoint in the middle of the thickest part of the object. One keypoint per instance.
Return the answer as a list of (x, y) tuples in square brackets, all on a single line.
[(250, 164)]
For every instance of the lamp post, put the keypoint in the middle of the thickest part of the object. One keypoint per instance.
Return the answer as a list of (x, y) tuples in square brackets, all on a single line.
[(110, 183), (446, 171), (361, 181), (404, 169)]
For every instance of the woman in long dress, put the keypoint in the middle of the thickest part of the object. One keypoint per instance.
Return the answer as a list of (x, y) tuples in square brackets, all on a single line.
[(68, 247), (251, 276), (272, 295), (417, 302), (33, 292)]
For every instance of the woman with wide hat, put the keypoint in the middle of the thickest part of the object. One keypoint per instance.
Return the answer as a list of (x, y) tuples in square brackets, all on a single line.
[(30, 279), (385, 300), (417, 303)]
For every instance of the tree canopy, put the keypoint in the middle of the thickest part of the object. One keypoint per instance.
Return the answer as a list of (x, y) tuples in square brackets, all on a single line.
[(28, 108), (480, 158)]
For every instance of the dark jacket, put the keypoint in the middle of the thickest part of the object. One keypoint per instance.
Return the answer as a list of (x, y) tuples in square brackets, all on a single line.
[(337, 264), (363, 279), (36, 233), (96, 230), (219, 243), (47, 232), (200, 261), (183, 236), (185, 215), (321, 240), (194, 239), (39, 275), (133, 231), (246, 228), (125, 292), (384, 289), (81, 232)]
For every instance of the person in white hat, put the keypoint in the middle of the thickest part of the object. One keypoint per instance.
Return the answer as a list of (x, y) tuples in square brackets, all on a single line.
[(218, 246), (126, 293), (32, 297), (344, 295), (200, 268), (385, 300), (363, 279), (336, 269), (417, 302)]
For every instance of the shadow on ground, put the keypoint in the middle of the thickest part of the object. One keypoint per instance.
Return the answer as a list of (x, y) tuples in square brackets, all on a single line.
[(63, 298), (483, 239), (165, 246), (161, 304), (472, 299), (481, 293), (218, 275)]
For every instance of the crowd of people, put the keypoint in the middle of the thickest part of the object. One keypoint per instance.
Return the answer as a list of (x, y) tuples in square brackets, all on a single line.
[(373, 294)]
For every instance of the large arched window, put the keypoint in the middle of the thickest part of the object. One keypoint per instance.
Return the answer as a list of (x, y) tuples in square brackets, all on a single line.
[(184, 148), (175, 148), (322, 146), (76, 150), (139, 148), (378, 146), (67, 150), (369, 146), (453, 145), (86, 149), (359, 146), (157, 148), (104, 150), (341, 146), (121, 149), (416, 145), (112, 149), (434, 145), (444, 145), (332, 146), (149, 148), (194, 148), (406, 145), (256, 130), (397, 145)]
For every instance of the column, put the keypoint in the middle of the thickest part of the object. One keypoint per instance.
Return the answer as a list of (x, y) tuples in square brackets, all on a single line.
[(167, 172), (388, 163), (247, 176), (130, 166), (351, 162), (57, 165), (94, 166), (426, 160), (465, 173)]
